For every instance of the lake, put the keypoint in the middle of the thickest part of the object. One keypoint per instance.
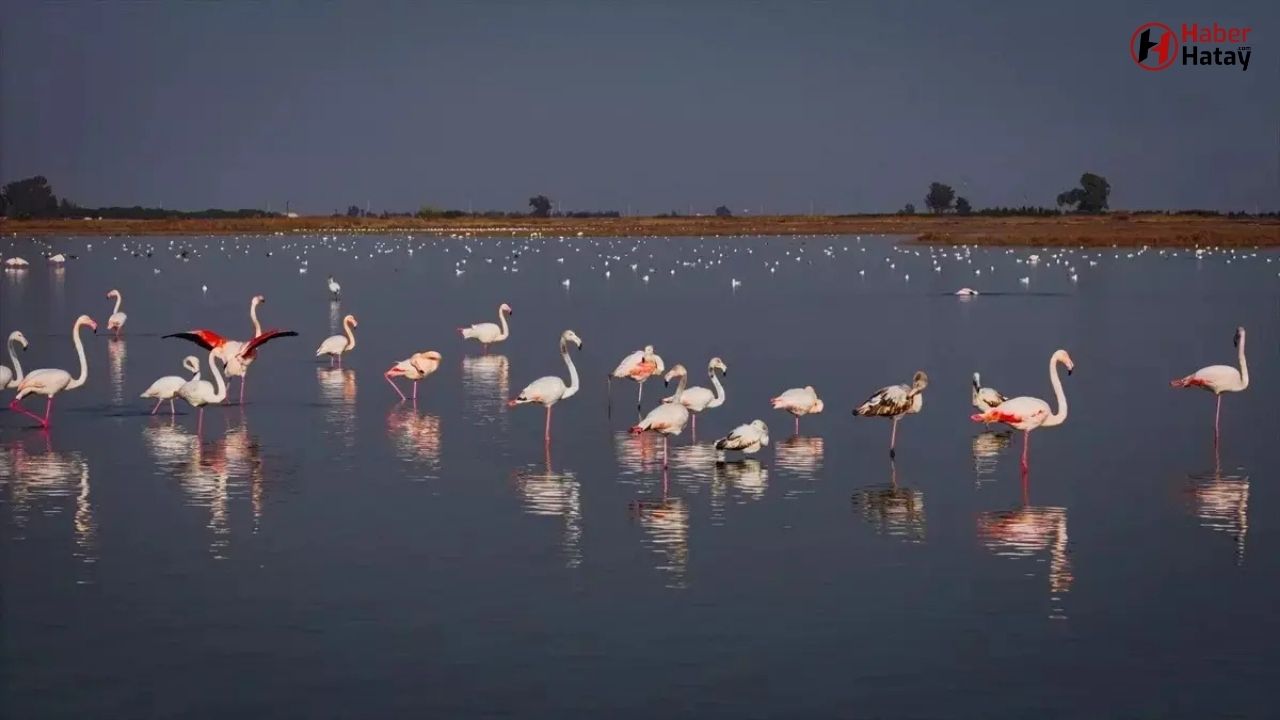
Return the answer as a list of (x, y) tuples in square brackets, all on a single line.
[(328, 551)]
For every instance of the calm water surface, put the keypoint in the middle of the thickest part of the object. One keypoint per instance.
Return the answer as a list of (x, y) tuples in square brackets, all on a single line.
[(326, 551)]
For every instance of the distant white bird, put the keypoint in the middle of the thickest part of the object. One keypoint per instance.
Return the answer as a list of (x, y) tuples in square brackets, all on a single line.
[(335, 345), (57, 259), (799, 402), (335, 290), (1219, 379), (895, 401), (667, 419), (9, 378), (747, 439), (167, 387), (698, 399), (1028, 413), (551, 389), (984, 398), (966, 291), (117, 319), (489, 333), (16, 263)]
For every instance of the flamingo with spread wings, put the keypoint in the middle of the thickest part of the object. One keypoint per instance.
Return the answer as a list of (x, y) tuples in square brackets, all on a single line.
[(236, 356)]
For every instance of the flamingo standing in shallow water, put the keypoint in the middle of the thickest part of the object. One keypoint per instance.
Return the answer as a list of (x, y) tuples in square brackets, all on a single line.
[(50, 381), (167, 387), (115, 323), (1219, 379), (10, 378), (199, 393), (895, 401), (747, 438), (488, 333), (335, 345), (416, 367), (670, 418), (1028, 413), (550, 390), (236, 356), (985, 398), (698, 399), (639, 366), (799, 402)]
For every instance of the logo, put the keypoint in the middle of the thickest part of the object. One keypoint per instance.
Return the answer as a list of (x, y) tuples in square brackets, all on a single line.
[(1155, 46)]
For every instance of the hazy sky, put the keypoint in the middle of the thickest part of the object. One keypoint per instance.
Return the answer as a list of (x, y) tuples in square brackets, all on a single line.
[(850, 106)]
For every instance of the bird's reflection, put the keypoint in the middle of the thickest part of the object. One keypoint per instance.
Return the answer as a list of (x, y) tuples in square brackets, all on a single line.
[(1026, 532), (335, 317), (486, 382), (117, 353), (338, 391), (637, 454), (547, 493), (416, 437), (42, 481), (800, 458), (987, 447), (892, 509), (665, 521), (1221, 502), (747, 479)]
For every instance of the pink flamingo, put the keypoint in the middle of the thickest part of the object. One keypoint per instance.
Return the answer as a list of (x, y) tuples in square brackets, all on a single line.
[(236, 356), (416, 367), (1028, 413), (550, 390), (668, 419), (799, 402), (1219, 379), (51, 381)]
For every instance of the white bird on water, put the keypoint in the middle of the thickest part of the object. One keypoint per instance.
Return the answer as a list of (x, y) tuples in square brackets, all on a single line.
[(489, 333), (335, 345), (51, 381), (1219, 379), (11, 377), (667, 419), (551, 389), (799, 402), (639, 366), (747, 439), (985, 398), (697, 398), (167, 387), (117, 319), (199, 393), (335, 290), (895, 401), (1028, 413)]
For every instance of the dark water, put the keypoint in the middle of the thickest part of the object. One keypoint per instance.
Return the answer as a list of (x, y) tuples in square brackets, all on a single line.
[(326, 551)]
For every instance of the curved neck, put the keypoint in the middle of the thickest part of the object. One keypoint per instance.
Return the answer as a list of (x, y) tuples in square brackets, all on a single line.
[(1244, 367), (17, 366), (220, 393), (675, 396), (253, 315), (1060, 415), (715, 383), (84, 365), (351, 337), (573, 371), (502, 320), (119, 300)]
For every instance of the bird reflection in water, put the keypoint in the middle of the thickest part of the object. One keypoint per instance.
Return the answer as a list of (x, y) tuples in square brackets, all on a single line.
[(801, 458), (416, 437), (637, 454), (549, 494), (117, 353), (665, 521), (1026, 532), (486, 382), (338, 391), (1221, 502), (43, 481), (891, 509), (335, 317), (747, 478), (987, 447)]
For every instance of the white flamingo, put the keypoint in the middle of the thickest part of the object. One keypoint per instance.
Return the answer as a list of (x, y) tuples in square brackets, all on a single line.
[(51, 381), (335, 345), (489, 333), (550, 390), (639, 366), (895, 401), (11, 377), (199, 393), (747, 439), (115, 323), (668, 419), (799, 402), (698, 399), (984, 398), (167, 387), (1028, 413), (416, 367), (1219, 379)]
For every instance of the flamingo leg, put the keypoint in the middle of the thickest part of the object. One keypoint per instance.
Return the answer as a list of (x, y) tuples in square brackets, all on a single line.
[(640, 396), (694, 439), (1026, 445), (664, 453), (1217, 414), (172, 409), (157, 407), (243, 379), (394, 387), (546, 431), (893, 437), (415, 389), (200, 421), (48, 410), (17, 406)]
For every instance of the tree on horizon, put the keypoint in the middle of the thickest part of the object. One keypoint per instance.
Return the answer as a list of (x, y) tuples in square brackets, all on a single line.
[(1090, 197), (939, 198), (541, 205)]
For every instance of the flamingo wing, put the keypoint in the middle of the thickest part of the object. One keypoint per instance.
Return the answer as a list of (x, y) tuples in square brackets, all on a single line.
[(628, 364), (250, 348), (887, 402), (743, 437), (206, 339), (1214, 378), (546, 390)]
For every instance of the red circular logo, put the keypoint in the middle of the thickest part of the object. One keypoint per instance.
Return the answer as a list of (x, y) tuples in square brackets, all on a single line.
[(1153, 46)]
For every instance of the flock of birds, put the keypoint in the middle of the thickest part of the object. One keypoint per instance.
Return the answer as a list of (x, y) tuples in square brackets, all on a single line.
[(232, 359)]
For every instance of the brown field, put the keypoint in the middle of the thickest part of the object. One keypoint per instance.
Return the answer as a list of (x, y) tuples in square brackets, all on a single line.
[(1114, 229)]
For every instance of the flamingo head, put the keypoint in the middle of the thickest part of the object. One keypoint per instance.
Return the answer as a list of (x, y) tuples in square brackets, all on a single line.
[(1064, 358), (677, 371), (570, 336), (718, 364), (113, 294), (764, 429), (86, 320), (1238, 340), (191, 363), (919, 381), (258, 300), (505, 308), (18, 337), (817, 406), (350, 320), (432, 355)]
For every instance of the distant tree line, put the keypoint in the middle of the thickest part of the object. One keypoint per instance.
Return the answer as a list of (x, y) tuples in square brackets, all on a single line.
[(33, 197), (1090, 197)]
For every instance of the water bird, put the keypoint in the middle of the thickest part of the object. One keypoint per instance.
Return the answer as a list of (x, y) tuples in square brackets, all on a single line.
[(667, 419), (895, 401), (9, 378), (1219, 379), (335, 345), (199, 393), (639, 366), (747, 439), (416, 367), (551, 389), (117, 319), (985, 398), (51, 381), (965, 291), (235, 355), (335, 290), (697, 399), (167, 387), (1028, 413), (799, 402), (489, 333)]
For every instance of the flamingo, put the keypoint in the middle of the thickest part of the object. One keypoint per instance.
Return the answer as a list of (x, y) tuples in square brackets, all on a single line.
[(116, 321), (11, 378), (416, 367), (670, 418), (49, 382), (335, 345), (799, 402), (167, 387), (895, 401), (747, 438), (335, 290), (1028, 413), (550, 390), (985, 398), (199, 393), (698, 399), (639, 366), (1219, 379), (236, 356), (488, 333)]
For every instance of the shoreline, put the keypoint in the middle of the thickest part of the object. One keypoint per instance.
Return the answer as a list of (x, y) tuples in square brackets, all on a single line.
[(1113, 229)]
